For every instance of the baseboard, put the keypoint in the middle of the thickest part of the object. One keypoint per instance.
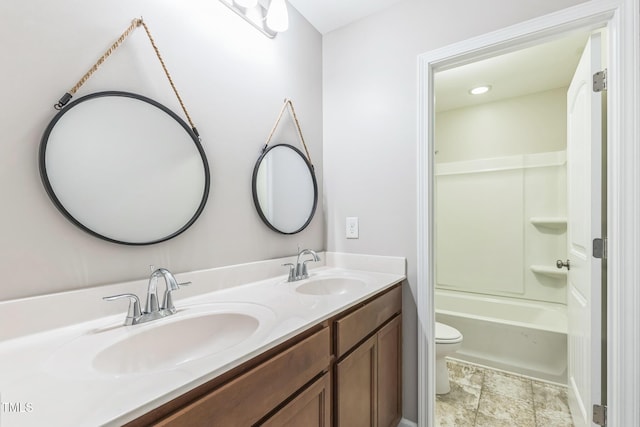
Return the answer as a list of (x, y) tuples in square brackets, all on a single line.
[(406, 423)]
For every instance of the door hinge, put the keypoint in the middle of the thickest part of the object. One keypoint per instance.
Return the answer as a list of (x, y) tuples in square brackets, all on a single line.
[(600, 415), (600, 248), (600, 81)]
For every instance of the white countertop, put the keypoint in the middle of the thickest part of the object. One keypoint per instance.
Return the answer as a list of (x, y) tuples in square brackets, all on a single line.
[(49, 378)]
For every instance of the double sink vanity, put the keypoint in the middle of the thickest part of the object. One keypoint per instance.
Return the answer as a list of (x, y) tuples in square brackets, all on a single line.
[(242, 345)]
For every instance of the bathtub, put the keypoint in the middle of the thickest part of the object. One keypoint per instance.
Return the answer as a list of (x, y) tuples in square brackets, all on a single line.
[(526, 337)]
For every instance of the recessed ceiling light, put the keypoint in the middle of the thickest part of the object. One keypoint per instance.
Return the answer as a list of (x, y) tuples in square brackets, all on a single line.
[(480, 90)]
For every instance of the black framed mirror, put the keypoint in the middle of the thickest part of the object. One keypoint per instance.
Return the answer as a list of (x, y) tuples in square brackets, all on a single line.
[(284, 188), (124, 168)]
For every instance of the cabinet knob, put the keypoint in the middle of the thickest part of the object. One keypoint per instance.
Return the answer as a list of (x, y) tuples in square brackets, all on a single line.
[(561, 264)]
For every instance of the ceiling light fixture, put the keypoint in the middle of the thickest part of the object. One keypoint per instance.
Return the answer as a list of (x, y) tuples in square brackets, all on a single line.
[(269, 17), (480, 90)]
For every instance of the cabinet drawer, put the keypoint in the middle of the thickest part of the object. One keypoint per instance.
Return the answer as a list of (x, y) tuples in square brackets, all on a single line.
[(354, 327), (246, 399), (311, 408)]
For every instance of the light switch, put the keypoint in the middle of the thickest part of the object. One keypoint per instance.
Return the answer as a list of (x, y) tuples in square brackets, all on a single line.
[(352, 227)]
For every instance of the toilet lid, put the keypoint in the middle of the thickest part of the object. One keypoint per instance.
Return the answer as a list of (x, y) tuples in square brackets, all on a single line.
[(447, 333)]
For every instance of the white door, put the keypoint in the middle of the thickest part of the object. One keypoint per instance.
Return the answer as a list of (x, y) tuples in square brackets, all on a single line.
[(584, 177)]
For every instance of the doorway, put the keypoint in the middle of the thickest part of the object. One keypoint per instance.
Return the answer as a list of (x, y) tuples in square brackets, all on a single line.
[(501, 201), (586, 17), (500, 226)]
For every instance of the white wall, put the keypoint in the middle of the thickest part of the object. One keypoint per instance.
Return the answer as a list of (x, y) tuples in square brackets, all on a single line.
[(534, 123), (370, 122), (487, 241), (486, 196), (233, 81)]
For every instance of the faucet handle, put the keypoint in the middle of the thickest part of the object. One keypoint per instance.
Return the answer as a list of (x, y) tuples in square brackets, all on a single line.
[(167, 303), (292, 271), (305, 272), (134, 306)]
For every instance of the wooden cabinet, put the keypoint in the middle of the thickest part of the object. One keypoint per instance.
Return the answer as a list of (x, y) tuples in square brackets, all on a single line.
[(389, 352), (344, 372), (248, 398), (363, 320), (356, 389), (368, 387), (311, 408)]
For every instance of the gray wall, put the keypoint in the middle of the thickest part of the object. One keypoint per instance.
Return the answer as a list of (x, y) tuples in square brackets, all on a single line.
[(370, 122), (233, 81)]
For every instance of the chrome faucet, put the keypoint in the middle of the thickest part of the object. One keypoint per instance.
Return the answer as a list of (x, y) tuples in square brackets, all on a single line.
[(152, 310), (171, 284), (299, 270)]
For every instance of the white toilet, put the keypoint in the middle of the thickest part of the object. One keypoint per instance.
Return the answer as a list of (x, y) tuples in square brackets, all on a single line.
[(448, 341)]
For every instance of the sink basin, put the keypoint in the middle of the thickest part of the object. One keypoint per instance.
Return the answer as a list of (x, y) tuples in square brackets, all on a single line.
[(175, 343), (195, 332), (331, 286)]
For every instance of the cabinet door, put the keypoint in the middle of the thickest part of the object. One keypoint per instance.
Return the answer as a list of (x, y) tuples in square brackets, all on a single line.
[(311, 408), (390, 373), (356, 387)]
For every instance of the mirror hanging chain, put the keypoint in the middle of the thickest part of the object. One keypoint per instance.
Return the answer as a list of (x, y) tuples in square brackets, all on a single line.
[(288, 103), (134, 24)]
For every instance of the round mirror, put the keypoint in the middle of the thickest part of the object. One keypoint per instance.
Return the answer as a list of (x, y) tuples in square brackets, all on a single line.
[(284, 189), (124, 168)]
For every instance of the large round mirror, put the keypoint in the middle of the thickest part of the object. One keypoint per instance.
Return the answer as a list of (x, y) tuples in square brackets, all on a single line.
[(124, 168), (285, 191)]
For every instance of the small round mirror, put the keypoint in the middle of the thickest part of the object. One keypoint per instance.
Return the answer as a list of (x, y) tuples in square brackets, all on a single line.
[(285, 190), (124, 168)]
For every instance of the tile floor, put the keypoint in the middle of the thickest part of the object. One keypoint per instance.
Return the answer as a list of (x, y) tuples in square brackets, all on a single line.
[(481, 397)]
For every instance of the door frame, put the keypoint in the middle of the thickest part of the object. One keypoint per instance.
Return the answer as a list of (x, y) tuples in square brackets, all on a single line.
[(622, 19)]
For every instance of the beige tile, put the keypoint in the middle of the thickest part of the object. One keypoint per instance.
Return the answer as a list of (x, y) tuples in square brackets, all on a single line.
[(448, 414), (488, 421), (556, 420), (551, 405), (459, 404), (461, 396), (496, 409), (550, 397), (507, 385), (487, 398), (458, 407), (465, 374)]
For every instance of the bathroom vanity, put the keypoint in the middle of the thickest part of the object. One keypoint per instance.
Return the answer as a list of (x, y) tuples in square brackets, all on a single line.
[(358, 351), (321, 351)]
